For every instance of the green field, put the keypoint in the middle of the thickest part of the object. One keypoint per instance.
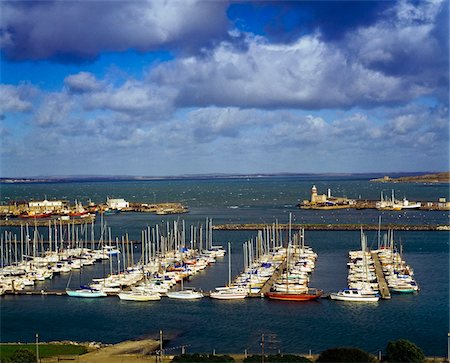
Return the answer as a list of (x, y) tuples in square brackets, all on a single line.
[(45, 350)]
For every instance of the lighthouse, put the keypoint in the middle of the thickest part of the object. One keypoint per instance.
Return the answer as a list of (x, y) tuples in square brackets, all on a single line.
[(313, 194)]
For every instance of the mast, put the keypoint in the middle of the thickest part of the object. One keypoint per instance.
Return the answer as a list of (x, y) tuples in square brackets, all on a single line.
[(229, 263)]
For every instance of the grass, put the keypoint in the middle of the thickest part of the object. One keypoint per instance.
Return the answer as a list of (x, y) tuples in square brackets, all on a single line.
[(45, 350)]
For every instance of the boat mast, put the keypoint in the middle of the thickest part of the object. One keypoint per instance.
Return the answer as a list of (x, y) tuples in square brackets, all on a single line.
[(229, 263)]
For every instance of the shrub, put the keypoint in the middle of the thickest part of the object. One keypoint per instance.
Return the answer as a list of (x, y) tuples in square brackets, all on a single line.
[(345, 355), (22, 356), (404, 351)]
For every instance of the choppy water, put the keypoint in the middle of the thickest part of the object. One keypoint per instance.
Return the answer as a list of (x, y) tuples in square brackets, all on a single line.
[(233, 326)]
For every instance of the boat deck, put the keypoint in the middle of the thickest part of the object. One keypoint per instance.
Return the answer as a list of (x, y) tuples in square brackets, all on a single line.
[(384, 289)]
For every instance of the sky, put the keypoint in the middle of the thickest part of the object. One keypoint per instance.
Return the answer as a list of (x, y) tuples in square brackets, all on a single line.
[(159, 88)]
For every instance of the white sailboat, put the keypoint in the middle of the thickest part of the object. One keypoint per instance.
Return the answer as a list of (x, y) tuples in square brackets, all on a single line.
[(136, 295), (364, 294), (185, 294), (230, 292), (84, 291)]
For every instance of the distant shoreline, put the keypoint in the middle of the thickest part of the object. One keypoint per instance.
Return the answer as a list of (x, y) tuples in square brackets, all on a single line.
[(427, 178), (376, 176)]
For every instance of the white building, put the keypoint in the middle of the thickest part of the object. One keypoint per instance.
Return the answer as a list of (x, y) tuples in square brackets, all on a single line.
[(47, 205), (117, 203)]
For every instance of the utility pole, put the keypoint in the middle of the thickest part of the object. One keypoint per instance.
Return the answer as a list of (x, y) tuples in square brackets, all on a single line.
[(37, 348), (262, 348), (161, 345)]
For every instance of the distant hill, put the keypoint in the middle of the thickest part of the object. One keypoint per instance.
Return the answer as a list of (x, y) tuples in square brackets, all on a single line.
[(427, 178)]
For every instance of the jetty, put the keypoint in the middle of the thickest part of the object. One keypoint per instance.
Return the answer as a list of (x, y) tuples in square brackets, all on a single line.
[(332, 227), (382, 284), (43, 222)]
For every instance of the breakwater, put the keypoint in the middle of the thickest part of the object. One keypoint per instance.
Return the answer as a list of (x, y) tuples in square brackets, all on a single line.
[(44, 222), (333, 227)]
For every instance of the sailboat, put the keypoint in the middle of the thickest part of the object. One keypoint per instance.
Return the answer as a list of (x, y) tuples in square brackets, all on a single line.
[(294, 292), (364, 294), (84, 291), (185, 294), (136, 295), (229, 292)]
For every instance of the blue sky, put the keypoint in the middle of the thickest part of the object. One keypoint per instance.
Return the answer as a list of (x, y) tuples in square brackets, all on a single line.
[(192, 87)]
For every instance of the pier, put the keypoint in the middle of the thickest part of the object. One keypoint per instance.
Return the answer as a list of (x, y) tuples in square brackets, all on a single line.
[(267, 286), (333, 227), (382, 284)]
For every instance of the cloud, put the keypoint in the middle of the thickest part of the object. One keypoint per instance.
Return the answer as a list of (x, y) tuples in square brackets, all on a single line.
[(408, 43), (134, 98), (80, 30), (308, 74), (54, 109), (82, 82), (16, 98), (285, 21), (390, 61), (227, 139)]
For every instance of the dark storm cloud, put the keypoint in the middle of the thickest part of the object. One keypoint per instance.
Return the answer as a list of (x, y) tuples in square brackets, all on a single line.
[(74, 31), (412, 41), (285, 21)]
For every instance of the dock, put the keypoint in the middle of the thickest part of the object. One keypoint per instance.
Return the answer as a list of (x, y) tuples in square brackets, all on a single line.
[(45, 292), (266, 288), (36, 292), (384, 289)]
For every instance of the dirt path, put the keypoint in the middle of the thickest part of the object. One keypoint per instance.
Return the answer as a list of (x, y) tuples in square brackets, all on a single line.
[(128, 351)]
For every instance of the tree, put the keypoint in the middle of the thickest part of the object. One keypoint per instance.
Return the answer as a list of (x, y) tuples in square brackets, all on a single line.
[(22, 356), (345, 355), (404, 351)]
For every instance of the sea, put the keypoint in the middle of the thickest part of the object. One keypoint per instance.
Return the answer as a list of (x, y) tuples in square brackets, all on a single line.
[(208, 325)]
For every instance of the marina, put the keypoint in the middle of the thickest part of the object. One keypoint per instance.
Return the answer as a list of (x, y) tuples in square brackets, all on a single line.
[(277, 264), (250, 249)]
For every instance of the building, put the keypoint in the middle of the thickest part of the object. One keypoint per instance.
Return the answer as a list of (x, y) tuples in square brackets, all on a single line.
[(326, 201), (47, 205), (117, 203), (317, 199)]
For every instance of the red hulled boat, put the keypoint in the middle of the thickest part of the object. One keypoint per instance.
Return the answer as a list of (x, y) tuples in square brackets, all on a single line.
[(311, 294)]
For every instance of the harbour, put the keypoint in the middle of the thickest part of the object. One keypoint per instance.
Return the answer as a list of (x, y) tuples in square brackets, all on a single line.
[(253, 179), (330, 274)]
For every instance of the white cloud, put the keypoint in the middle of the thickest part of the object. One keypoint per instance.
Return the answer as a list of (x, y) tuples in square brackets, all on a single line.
[(134, 98), (16, 98), (82, 82), (308, 74), (54, 109)]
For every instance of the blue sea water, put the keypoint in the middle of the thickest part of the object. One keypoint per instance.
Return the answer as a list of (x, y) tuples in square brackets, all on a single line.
[(233, 326)]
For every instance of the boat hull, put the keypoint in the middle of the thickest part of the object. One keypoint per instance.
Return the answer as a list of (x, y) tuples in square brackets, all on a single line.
[(184, 296), (403, 290), (354, 299), (293, 297), (86, 293), (227, 296), (139, 297)]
